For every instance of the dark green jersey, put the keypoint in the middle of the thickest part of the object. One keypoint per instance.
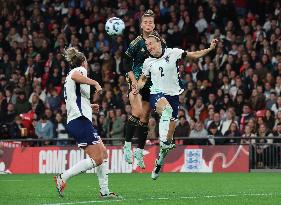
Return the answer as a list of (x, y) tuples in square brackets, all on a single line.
[(137, 52)]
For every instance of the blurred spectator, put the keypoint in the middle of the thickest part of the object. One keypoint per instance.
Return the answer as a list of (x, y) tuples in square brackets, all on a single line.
[(44, 130), (16, 129), (49, 115), (213, 131), (198, 111), (277, 133), (100, 127), (10, 97), (216, 120), (263, 157), (277, 119), (239, 103), (230, 117), (272, 99), (252, 123), (201, 24), (263, 133), (53, 101), (198, 132), (245, 117), (257, 100), (248, 134), (22, 105), (211, 113), (60, 129), (232, 132), (3, 102), (38, 91), (182, 129), (276, 106), (37, 105), (114, 127), (9, 116), (269, 119)]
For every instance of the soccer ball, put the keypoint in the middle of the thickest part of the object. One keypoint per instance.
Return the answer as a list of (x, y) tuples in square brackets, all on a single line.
[(114, 26)]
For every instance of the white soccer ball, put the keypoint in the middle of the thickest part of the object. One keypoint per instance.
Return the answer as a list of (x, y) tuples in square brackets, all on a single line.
[(114, 26)]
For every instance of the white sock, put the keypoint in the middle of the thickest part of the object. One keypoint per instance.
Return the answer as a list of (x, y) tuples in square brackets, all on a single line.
[(139, 151), (128, 144), (78, 168), (161, 156), (163, 129), (102, 173)]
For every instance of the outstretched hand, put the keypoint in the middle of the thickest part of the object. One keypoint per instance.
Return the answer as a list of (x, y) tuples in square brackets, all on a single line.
[(214, 43), (98, 89)]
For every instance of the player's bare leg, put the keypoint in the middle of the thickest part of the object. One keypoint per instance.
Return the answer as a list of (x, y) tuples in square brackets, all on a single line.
[(97, 154), (102, 173), (133, 123), (166, 131), (164, 150), (142, 131)]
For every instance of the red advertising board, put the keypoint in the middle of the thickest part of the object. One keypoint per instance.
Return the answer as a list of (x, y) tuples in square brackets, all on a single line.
[(41, 160)]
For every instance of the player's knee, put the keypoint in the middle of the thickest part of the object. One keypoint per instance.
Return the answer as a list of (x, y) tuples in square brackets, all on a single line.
[(98, 160), (136, 112), (144, 119), (144, 115), (167, 113), (105, 155)]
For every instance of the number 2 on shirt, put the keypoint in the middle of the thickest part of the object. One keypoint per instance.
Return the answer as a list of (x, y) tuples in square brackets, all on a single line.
[(161, 71)]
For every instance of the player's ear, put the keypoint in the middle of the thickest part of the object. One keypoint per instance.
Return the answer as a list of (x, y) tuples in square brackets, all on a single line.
[(141, 24)]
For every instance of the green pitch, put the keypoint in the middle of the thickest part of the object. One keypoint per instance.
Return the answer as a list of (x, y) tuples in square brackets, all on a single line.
[(170, 188)]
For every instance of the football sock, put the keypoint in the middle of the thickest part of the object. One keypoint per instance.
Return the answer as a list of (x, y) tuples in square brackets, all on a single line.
[(102, 173), (158, 168), (128, 144), (131, 125), (141, 134), (161, 156), (165, 122), (138, 153), (78, 168)]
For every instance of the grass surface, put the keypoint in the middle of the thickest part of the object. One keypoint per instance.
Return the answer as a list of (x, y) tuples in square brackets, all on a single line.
[(169, 188)]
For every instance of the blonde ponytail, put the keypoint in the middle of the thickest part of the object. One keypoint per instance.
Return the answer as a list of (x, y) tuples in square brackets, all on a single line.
[(73, 56)]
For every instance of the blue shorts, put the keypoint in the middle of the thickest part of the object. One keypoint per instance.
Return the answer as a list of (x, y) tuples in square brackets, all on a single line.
[(173, 100), (83, 131)]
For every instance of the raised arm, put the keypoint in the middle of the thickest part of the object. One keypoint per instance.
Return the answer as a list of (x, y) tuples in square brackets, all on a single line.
[(79, 78), (128, 64), (129, 57), (143, 78), (201, 53)]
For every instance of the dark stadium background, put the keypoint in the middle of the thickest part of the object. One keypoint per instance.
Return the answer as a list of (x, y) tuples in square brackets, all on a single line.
[(230, 111)]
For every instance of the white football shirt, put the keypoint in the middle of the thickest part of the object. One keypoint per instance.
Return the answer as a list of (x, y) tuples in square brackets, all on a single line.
[(163, 72), (77, 97)]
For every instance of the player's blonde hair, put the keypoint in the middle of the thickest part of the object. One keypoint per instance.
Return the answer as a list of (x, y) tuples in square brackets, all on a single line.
[(74, 57)]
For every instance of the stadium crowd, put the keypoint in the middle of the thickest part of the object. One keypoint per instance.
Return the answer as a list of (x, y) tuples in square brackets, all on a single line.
[(234, 91)]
